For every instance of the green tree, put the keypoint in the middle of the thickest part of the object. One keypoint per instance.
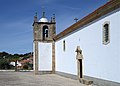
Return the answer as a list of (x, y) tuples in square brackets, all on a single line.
[(4, 61)]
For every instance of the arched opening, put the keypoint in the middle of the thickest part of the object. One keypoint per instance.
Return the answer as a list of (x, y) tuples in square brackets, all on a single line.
[(45, 32)]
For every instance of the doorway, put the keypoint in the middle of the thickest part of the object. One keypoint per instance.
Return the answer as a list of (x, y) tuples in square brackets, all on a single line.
[(80, 68)]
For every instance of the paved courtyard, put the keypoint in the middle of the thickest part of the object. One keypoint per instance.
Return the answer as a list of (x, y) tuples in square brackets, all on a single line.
[(29, 79)]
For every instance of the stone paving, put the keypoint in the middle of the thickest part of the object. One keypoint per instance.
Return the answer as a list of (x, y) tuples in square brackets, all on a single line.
[(29, 79)]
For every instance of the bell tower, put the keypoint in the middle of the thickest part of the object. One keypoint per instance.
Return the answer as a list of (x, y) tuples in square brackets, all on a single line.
[(44, 30), (43, 43)]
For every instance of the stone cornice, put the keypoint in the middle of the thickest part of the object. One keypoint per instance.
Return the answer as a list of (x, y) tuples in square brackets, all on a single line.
[(44, 41), (44, 23)]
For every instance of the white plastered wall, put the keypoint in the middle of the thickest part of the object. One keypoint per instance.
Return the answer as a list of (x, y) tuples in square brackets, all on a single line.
[(100, 61), (45, 57)]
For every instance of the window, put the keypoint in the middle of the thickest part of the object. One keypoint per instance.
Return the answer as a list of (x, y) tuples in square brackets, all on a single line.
[(64, 45), (45, 32), (106, 34)]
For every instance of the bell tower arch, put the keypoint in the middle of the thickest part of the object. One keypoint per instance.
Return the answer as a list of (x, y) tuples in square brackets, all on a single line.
[(43, 44), (45, 32)]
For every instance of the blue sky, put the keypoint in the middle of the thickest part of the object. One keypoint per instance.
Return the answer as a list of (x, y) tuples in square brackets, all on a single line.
[(16, 18)]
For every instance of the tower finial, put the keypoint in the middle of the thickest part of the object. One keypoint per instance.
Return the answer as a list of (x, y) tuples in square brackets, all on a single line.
[(43, 14), (53, 17), (36, 14), (35, 17)]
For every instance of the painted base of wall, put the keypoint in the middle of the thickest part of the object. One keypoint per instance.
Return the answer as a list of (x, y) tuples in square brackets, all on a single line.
[(96, 81), (101, 82), (44, 72), (66, 75)]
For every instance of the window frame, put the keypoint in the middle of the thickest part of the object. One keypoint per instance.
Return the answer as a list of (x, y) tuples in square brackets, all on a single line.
[(104, 33), (64, 45)]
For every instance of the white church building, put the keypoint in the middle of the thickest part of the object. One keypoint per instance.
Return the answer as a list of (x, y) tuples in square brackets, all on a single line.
[(89, 49)]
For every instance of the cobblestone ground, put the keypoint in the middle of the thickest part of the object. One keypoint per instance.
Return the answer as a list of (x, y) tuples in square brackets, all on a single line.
[(29, 79)]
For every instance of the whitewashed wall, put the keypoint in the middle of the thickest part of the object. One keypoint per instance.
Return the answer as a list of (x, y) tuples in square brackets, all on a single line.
[(100, 61), (45, 57)]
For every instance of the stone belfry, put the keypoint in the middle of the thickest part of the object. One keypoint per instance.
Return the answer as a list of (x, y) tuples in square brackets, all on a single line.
[(43, 44), (43, 29)]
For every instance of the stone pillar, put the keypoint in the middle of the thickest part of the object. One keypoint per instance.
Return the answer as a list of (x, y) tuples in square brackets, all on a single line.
[(36, 56), (53, 57)]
